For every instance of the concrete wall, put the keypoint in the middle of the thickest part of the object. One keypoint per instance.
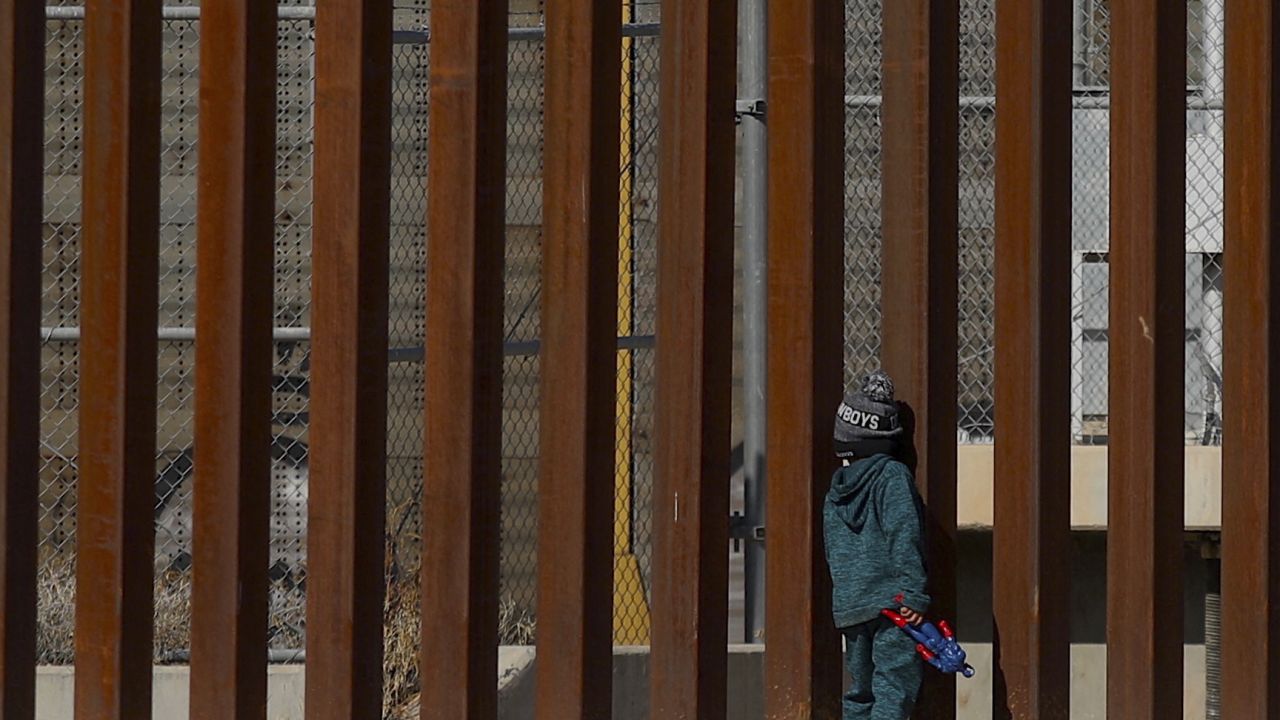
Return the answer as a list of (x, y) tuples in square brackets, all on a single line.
[(55, 693), (518, 672), (1203, 467)]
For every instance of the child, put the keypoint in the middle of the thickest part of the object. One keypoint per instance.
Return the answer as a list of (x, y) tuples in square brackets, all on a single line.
[(875, 551)]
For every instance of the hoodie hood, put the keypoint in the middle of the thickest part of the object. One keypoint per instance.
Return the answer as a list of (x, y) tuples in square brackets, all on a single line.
[(852, 489)]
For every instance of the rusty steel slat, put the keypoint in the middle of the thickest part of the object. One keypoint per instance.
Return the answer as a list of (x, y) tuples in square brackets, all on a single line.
[(693, 408), (1251, 402), (805, 321), (463, 452), (115, 535), (347, 502), (234, 310), (579, 366), (1146, 361), (1033, 287), (21, 202), (919, 164)]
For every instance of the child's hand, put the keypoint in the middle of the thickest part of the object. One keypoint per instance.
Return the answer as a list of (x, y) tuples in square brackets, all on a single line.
[(911, 616)]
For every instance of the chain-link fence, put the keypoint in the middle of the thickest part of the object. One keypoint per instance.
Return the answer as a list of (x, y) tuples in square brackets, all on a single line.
[(175, 452), (1204, 241), (1090, 213), (637, 274)]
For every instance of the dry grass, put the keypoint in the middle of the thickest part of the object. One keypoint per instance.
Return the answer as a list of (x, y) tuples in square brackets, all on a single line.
[(56, 608), (55, 639), (56, 601)]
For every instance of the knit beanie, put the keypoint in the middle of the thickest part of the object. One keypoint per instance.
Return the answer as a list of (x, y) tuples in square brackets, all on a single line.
[(867, 421)]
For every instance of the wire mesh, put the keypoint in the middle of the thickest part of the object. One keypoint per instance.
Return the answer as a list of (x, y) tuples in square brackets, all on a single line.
[(637, 274), (1090, 216), (175, 452), (1204, 244), (862, 186)]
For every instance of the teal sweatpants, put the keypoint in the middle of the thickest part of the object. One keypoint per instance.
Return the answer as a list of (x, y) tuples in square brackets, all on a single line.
[(885, 670)]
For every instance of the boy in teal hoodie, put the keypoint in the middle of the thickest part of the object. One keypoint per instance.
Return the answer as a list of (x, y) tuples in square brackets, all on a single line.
[(872, 523)]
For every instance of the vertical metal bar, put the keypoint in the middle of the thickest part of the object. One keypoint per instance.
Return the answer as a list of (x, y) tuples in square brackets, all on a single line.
[(578, 360), (234, 311), (463, 451), (694, 363), (1033, 284), (115, 535), (1148, 250), (21, 206), (806, 209), (347, 508), (1251, 402), (920, 118), (754, 52)]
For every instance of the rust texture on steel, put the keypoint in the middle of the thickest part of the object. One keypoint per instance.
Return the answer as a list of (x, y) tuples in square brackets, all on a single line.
[(115, 536), (346, 514), (21, 131), (920, 169), (1148, 218), (234, 311), (694, 362), (464, 359), (579, 320), (1251, 403), (805, 310), (1033, 287)]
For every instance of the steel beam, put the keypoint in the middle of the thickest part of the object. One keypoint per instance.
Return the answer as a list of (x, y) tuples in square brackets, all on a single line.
[(1148, 253), (805, 320), (347, 509), (578, 361), (119, 262), (1251, 402), (920, 168), (1033, 288), (21, 202), (694, 361), (754, 54), (463, 450), (234, 311)]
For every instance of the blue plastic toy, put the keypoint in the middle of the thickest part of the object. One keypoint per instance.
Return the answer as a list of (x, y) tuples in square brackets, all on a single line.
[(937, 645)]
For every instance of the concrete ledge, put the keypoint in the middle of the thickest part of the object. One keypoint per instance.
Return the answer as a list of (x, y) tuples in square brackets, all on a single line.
[(631, 685), (976, 466), (170, 689), (55, 686)]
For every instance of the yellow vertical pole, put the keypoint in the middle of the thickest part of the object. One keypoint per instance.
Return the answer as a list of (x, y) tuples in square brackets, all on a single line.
[(630, 608)]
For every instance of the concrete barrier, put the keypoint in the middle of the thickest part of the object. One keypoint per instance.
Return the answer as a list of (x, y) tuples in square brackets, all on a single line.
[(170, 693), (55, 686)]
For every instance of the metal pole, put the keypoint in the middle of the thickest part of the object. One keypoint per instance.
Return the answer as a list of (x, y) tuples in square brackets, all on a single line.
[(755, 193), (919, 277), (462, 482), (1031, 580), (690, 580), (1251, 404), (21, 125), (1146, 368), (806, 220), (234, 273), (346, 514), (116, 492), (578, 360)]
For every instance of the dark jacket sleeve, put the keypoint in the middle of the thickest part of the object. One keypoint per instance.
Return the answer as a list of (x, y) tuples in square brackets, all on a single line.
[(902, 523)]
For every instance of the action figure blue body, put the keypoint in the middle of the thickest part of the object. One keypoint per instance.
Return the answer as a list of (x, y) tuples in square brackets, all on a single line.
[(936, 644)]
